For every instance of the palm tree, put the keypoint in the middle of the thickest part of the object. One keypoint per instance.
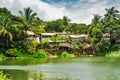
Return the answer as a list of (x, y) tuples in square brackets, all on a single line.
[(28, 14), (5, 24), (95, 23), (111, 17), (28, 18), (96, 19), (111, 14)]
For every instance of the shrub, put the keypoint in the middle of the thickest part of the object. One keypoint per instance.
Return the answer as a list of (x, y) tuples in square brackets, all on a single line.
[(66, 55), (14, 52), (57, 38), (32, 47), (3, 76), (2, 56), (78, 45), (40, 54), (21, 45), (103, 46), (114, 47), (44, 43), (113, 54)]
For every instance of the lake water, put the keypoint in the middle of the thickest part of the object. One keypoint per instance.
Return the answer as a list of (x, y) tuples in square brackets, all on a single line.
[(83, 68)]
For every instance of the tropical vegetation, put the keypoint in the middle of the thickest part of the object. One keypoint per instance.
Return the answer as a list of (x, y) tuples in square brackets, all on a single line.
[(3, 76), (103, 31)]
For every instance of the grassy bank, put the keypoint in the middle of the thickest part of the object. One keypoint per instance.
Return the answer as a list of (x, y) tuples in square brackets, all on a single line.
[(2, 57), (113, 54)]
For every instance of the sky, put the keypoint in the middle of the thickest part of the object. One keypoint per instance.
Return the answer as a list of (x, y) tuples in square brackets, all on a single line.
[(79, 11)]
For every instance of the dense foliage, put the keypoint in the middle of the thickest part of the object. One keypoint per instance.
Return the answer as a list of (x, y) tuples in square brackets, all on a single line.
[(104, 32), (66, 55)]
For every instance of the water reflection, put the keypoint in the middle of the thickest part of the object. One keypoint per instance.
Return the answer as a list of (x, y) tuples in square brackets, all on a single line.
[(95, 68), (29, 75), (30, 61)]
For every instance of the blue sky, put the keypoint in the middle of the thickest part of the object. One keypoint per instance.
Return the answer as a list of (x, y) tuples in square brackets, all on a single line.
[(79, 11), (109, 2)]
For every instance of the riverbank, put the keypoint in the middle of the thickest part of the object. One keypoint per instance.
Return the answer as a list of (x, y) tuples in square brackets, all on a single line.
[(62, 55)]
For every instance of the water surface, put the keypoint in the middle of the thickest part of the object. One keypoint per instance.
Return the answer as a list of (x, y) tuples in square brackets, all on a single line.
[(88, 68)]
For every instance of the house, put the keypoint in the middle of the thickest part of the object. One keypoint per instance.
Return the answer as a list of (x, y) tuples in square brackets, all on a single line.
[(62, 34), (32, 36), (106, 35), (81, 38), (48, 36)]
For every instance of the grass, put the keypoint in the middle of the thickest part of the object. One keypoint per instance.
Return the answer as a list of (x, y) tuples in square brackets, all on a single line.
[(66, 55), (113, 54)]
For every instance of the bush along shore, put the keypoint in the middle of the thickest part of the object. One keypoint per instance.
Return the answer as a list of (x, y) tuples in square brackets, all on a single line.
[(4, 76), (21, 36)]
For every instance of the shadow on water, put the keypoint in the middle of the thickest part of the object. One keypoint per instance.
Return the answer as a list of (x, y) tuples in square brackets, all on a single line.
[(83, 68), (29, 61)]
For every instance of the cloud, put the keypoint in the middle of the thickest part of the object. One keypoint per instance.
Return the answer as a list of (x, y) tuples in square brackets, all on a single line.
[(83, 11), (45, 11), (80, 12), (92, 0)]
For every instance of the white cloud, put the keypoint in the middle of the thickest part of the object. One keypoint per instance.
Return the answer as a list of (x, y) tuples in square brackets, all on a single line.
[(83, 13), (78, 12), (92, 0), (44, 10)]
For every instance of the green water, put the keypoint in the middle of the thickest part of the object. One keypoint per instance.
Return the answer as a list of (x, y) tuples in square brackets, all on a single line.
[(88, 68)]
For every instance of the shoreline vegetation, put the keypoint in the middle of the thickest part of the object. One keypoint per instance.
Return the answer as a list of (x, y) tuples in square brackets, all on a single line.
[(28, 36), (4, 76)]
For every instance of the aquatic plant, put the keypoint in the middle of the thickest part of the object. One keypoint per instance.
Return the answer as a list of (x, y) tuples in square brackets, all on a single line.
[(3, 76), (40, 54), (66, 55), (14, 52)]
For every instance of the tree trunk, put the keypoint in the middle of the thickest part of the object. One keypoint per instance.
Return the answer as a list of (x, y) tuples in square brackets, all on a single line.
[(7, 42), (25, 35)]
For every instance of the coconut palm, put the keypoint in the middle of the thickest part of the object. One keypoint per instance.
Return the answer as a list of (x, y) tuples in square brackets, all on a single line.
[(110, 22), (5, 24), (111, 14), (28, 14), (95, 23), (96, 19), (28, 18)]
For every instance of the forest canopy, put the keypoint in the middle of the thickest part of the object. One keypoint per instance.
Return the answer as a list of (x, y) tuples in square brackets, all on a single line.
[(104, 31)]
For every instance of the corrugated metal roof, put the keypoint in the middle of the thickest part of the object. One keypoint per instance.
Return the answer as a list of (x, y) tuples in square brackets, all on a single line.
[(48, 34), (78, 36), (57, 33), (30, 33)]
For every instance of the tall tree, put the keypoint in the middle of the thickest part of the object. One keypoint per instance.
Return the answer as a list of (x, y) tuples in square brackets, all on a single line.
[(95, 23), (5, 25), (28, 18), (66, 20), (55, 26), (111, 14), (111, 19), (96, 19)]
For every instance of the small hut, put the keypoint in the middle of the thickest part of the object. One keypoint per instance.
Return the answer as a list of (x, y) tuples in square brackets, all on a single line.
[(81, 38), (32, 36), (47, 36)]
